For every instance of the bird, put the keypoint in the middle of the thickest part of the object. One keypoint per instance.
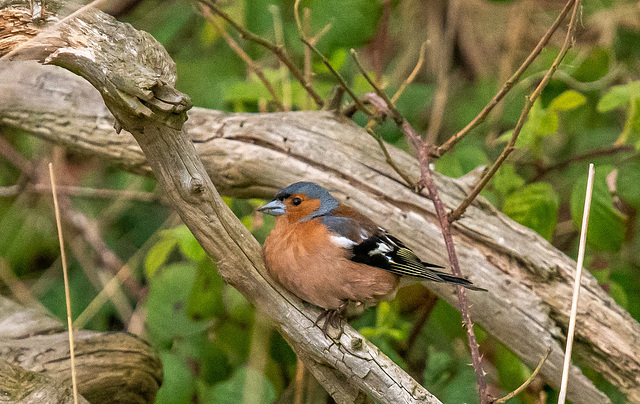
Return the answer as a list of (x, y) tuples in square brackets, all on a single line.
[(333, 256)]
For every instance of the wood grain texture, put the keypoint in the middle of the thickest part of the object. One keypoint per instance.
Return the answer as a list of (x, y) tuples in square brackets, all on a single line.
[(18, 385), (137, 87), (34, 359), (254, 155)]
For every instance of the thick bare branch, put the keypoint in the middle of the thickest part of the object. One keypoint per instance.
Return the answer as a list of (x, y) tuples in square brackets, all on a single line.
[(135, 77), (112, 367), (254, 155)]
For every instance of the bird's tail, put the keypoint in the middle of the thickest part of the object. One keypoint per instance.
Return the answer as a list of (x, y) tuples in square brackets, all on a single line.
[(448, 278)]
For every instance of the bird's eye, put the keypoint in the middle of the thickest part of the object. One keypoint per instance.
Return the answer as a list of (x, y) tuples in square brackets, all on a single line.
[(296, 201)]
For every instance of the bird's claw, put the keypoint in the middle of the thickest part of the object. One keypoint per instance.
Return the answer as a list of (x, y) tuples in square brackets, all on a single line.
[(332, 317)]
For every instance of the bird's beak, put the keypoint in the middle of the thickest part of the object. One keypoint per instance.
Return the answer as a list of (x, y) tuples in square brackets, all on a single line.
[(273, 208)]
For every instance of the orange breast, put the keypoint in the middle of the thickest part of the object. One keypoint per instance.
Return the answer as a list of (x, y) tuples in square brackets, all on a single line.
[(303, 259)]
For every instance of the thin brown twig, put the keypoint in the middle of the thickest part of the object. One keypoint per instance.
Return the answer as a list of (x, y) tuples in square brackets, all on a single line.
[(279, 51), (284, 75), (445, 227), (526, 383), (299, 383), (384, 107), (426, 179), (413, 74), (410, 183), (479, 186), (15, 158), (108, 291), (251, 65), (338, 76), (18, 289), (444, 65), (314, 39), (396, 96), (453, 140), (123, 275), (305, 32), (516, 27), (89, 193), (395, 115), (543, 170)]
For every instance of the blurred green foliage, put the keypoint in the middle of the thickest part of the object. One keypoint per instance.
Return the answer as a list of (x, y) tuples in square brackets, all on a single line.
[(206, 331)]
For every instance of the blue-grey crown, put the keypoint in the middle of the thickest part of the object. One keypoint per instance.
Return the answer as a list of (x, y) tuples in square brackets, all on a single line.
[(327, 202)]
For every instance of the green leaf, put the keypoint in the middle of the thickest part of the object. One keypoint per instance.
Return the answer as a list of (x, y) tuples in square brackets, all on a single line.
[(158, 254), (631, 128), (166, 305), (601, 275), (349, 29), (449, 378), (205, 299), (461, 161), (387, 348), (511, 371), (542, 121), (384, 315), (568, 100), (618, 96), (247, 385), (237, 305), (389, 326), (546, 123), (234, 338), (178, 385), (506, 180), (606, 223), (208, 361), (534, 206), (248, 91), (628, 182), (337, 59), (619, 295), (188, 244), (595, 66)]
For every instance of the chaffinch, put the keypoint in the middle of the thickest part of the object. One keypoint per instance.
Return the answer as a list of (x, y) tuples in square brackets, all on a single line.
[(331, 255)]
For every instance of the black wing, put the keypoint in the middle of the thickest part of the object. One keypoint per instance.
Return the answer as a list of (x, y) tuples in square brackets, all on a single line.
[(384, 251), (374, 246), (387, 252)]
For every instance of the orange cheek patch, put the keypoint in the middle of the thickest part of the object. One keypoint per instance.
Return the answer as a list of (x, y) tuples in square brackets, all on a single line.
[(295, 213)]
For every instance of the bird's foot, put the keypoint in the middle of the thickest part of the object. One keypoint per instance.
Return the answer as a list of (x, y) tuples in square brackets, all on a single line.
[(332, 317)]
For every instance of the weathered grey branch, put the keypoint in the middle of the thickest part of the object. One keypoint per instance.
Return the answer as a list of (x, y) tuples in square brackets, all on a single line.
[(34, 360), (253, 155), (18, 385), (142, 97)]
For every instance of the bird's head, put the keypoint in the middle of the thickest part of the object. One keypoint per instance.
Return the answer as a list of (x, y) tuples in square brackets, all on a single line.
[(300, 202)]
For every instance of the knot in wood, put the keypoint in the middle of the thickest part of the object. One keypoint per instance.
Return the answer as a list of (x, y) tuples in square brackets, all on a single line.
[(356, 344), (196, 186)]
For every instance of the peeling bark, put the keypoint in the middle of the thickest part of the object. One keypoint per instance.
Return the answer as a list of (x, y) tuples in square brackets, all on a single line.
[(135, 78), (35, 362), (253, 155)]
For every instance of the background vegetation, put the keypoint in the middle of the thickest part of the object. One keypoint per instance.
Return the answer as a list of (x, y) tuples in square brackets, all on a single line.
[(214, 346)]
